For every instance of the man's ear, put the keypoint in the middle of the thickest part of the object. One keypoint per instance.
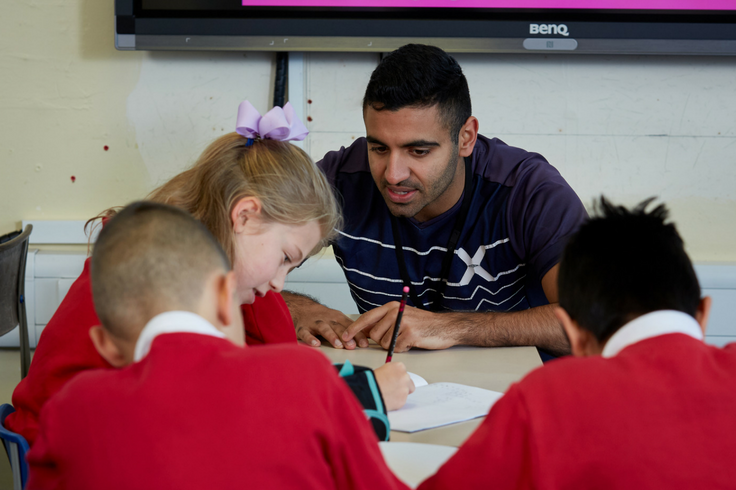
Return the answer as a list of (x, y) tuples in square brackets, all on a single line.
[(467, 137), (106, 347), (703, 312), (582, 342), (245, 209)]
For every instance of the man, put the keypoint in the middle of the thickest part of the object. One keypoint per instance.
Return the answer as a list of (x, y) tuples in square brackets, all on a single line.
[(473, 226), (645, 404)]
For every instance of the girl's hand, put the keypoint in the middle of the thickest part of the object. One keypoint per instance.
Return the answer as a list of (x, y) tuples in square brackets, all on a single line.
[(395, 384)]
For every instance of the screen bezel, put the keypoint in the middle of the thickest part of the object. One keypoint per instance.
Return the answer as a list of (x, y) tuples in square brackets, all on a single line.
[(383, 29)]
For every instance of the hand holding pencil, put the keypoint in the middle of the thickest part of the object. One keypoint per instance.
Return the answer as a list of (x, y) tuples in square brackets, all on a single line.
[(402, 390), (418, 328)]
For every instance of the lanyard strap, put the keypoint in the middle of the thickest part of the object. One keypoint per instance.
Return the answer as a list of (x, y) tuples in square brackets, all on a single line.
[(402, 263), (451, 243)]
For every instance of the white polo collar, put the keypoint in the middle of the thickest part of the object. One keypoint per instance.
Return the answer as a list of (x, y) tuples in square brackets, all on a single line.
[(172, 322), (652, 324)]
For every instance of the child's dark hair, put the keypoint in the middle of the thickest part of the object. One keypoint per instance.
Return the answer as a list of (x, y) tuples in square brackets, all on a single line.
[(622, 264), (416, 75)]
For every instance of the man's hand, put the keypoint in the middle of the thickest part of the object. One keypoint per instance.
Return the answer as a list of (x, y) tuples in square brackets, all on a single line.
[(328, 323), (312, 319), (428, 330), (395, 384), (419, 328)]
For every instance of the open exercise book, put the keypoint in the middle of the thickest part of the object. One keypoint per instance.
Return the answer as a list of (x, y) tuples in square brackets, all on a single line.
[(437, 404)]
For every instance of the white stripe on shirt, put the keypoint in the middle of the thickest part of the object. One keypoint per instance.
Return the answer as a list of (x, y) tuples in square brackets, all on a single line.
[(409, 249), (425, 278)]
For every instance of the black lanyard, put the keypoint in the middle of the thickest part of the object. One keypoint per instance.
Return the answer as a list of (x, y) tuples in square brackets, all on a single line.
[(451, 243)]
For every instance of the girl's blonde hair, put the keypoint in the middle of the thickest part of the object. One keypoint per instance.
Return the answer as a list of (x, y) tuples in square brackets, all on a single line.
[(291, 188)]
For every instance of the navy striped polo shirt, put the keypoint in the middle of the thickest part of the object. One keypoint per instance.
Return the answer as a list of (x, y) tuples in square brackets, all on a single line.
[(521, 213)]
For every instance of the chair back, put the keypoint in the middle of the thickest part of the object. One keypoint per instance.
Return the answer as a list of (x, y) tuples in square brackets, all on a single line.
[(13, 255), (16, 447)]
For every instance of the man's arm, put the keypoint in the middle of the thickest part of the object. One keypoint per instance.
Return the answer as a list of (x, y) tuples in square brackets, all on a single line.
[(419, 328), (312, 318)]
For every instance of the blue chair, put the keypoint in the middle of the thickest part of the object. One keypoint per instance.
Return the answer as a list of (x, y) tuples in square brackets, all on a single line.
[(16, 447)]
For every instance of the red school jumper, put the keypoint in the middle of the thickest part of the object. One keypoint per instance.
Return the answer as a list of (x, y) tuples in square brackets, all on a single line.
[(199, 412), (659, 415), (65, 348)]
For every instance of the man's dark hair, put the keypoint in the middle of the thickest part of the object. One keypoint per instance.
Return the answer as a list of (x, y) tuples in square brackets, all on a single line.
[(148, 259), (421, 76), (622, 264)]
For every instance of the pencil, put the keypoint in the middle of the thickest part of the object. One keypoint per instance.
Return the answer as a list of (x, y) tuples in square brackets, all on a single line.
[(397, 324)]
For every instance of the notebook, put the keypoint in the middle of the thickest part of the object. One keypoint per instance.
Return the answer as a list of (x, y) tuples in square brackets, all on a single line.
[(437, 404)]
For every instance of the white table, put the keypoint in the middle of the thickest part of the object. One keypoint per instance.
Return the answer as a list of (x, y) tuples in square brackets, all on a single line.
[(492, 368)]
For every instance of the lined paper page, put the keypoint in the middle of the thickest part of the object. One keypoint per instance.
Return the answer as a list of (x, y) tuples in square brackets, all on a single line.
[(441, 404)]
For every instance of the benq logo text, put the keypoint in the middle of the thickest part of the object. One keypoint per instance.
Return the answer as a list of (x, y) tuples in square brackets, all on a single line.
[(549, 29)]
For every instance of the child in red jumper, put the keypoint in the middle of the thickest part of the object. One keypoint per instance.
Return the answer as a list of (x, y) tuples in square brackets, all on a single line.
[(235, 177), (645, 404), (190, 408)]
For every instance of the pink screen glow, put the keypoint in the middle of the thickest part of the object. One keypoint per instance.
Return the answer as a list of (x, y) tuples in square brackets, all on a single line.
[(541, 4)]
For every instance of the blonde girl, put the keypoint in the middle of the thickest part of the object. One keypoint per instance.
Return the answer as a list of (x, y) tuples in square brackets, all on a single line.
[(270, 208)]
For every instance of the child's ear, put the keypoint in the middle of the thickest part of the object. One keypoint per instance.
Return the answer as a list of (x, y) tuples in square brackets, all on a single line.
[(226, 291), (245, 209), (228, 309), (106, 347), (582, 342), (703, 312)]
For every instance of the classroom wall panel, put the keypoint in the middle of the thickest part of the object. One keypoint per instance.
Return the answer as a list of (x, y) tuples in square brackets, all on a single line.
[(334, 87), (335, 84), (184, 101), (615, 95)]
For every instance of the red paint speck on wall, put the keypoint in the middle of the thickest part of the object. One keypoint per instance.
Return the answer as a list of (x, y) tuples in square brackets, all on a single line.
[(309, 118), (106, 147), (74, 179), (309, 101)]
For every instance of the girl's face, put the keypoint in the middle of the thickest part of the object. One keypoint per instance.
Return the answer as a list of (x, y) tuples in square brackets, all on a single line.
[(265, 252)]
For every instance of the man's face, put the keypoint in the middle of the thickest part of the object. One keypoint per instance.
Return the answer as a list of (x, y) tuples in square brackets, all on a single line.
[(413, 161)]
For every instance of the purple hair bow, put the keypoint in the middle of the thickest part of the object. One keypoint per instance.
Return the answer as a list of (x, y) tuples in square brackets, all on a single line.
[(277, 124)]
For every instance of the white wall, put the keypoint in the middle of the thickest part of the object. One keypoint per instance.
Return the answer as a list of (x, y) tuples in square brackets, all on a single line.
[(628, 127), (66, 94)]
